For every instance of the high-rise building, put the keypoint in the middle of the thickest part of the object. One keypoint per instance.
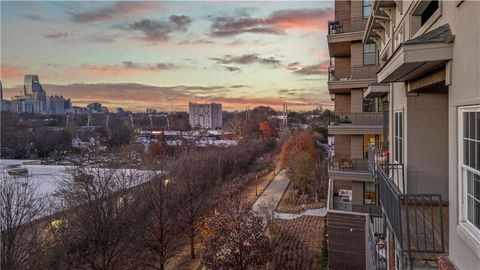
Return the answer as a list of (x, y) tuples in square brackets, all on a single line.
[(26, 104), (56, 105), (33, 88), (207, 115)]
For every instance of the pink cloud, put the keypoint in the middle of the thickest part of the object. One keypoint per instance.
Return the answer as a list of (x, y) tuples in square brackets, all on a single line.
[(8, 72), (117, 10)]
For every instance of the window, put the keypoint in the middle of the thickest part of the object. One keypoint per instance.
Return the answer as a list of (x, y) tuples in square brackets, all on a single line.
[(373, 105), (369, 194), (398, 137), (369, 54), (373, 140), (429, 10), (367, 7), (470, 164)]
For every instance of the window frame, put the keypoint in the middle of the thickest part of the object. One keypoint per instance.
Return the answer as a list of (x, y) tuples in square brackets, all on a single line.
[(365, 16), (398, 137), (375, 62), (465, 229)]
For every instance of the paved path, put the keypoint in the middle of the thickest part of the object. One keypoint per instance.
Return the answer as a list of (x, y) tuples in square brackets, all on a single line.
[(272, 194), (320, 212)]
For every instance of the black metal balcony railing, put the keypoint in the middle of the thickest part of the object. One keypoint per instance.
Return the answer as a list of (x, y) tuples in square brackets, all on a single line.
[(358, 119), (341, 26), (359, 208), (346, 72), (364, 72), (377, 156), (348, 164), (415, 219)]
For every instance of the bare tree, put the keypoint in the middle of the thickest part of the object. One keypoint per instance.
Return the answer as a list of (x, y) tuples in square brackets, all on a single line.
[(20, 205), (194, 181), (100, 226), (236, 239), (161, 236)]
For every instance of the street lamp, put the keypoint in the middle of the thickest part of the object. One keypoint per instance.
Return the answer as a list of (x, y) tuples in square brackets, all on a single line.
[(256, 184), (166, 182)]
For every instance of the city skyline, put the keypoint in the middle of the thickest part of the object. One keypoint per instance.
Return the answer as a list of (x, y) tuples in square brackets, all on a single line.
[(138, 55)]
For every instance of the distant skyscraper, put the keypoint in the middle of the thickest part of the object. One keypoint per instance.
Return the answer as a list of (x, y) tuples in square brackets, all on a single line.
[(56, 105), (33, 88), (207, 115)]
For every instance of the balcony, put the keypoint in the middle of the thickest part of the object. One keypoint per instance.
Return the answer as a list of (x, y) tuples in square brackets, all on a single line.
[(418, 221), (377, 157), (357, 124), (349, 169), (340, 199), (343, 78), (342, 32), (358, 208)]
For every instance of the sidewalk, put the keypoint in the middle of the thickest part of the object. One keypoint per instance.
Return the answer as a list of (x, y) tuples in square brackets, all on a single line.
[(272, 194)]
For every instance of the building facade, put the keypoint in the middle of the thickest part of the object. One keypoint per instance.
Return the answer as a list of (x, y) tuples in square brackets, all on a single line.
[(33, 89), (353, 209), (56, 105), (428, 176), (207, 116)]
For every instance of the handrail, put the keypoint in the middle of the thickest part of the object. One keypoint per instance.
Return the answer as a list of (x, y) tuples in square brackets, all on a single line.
[(340, 26), (360, 208), (360, 119)]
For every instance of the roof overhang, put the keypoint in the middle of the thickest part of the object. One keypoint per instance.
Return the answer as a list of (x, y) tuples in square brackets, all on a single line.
[(376, 90), (377, 13), (411, 61)]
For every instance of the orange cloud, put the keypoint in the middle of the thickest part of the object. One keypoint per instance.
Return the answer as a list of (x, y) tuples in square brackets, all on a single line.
[(9, 72), (125, 68)]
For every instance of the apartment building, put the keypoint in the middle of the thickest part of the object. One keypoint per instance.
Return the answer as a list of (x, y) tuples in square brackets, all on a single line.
[(428, 175), (358, 123), (208, 115)]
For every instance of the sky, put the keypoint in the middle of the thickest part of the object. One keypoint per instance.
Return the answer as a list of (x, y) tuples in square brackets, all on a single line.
[(164, 55)]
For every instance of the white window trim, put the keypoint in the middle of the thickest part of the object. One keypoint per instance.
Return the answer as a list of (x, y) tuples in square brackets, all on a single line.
[(401, 152), (465, 229)]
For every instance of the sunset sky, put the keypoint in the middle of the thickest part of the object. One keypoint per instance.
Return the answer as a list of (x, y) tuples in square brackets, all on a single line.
[(165, 54)]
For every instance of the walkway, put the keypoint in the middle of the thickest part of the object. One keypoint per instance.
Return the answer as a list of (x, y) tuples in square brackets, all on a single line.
[(272, 194), (320, 212)]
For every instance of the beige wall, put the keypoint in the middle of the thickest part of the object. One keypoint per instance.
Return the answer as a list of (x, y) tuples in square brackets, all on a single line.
[(427, 148), (464, 21), (465, 90)]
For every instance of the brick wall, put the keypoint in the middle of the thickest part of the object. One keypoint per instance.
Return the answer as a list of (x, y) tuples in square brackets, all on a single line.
[(342, 146), (444, 263), (391, 255), (342, 104), (346, 242)]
